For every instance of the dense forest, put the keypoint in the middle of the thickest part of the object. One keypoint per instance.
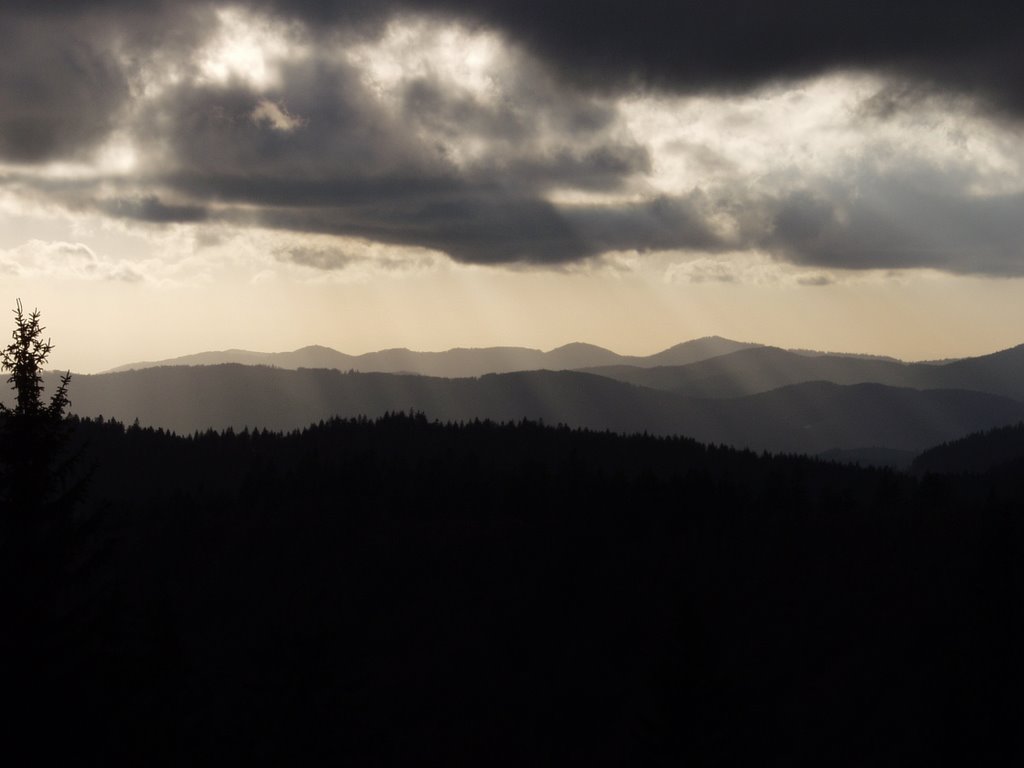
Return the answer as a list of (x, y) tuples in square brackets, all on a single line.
[(401, 591)]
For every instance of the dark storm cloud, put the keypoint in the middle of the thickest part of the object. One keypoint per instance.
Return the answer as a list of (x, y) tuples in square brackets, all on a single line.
[(67, 69), (340, 132), (815, 280), (495, 228), (686, 46), (530, 113), (316, 151), (665, 223), (347, 167), (325, 259), (472, 228), (59, 92), (61, 86), (909, 218), (150, 208), (730, 45)]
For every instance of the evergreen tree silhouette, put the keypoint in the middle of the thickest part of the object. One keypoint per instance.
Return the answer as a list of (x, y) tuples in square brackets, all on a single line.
[(33, 430), (43, 547)]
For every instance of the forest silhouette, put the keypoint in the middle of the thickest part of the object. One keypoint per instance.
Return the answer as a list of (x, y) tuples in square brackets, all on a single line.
[(402, 591)]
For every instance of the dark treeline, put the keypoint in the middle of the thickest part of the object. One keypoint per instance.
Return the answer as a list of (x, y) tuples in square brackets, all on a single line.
[(1000, 449), (404, 592)]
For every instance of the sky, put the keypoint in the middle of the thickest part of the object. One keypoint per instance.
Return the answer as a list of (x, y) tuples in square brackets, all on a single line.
[(192, 175)]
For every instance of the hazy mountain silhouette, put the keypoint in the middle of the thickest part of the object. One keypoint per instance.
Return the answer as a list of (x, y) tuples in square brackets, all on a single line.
[(808, 418), (762, 369), (307, 357), (458, 362), (186, 399), (855, 355), (818, 416), (691, 352), (1000, 372), (711, 367)]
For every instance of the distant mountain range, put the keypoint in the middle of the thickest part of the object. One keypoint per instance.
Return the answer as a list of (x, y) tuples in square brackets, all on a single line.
[(460, 362), (846, 407), (761, 369)]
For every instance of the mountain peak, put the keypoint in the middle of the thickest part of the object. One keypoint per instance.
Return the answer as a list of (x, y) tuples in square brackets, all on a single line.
[(315, 348), (579, 346), (698, 349)]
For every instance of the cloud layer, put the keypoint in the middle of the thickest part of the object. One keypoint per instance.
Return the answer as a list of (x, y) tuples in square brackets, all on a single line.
[(64, 261), (507, 132)]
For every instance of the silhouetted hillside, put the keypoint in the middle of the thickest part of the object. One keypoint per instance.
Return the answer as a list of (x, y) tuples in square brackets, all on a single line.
[(400, 592), (306, 357), (185, 399), (855, 355), (689, 352), (805, 418), (819, 416), (1001, 373), (762, 369), (980, 452)]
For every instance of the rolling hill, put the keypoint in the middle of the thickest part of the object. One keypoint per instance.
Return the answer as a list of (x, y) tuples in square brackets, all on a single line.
[(809, 418), (711, 367), (762, 369)]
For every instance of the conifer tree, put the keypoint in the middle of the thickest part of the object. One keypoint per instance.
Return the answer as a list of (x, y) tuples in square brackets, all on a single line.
[(31, 432), (41, 541)]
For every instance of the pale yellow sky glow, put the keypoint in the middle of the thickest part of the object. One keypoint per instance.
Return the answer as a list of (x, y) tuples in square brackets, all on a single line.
[(100, 323), (156, 284)]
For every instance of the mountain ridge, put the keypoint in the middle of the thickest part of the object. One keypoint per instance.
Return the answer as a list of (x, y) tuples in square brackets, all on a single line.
[(456, 362), (762, 369), (460, 362), (810, 417)]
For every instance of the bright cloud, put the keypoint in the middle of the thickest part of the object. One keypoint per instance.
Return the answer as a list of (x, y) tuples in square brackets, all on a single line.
[(64, 261)]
